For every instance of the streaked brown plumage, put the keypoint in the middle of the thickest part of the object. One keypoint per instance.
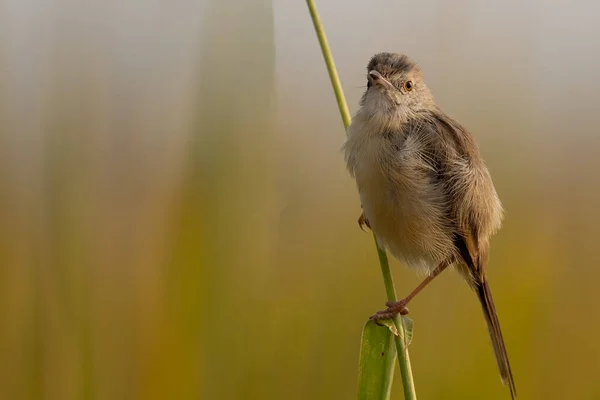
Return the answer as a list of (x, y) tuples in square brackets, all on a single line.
[(425, 190)]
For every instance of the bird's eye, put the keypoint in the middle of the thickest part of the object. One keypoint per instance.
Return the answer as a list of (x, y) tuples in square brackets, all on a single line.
[(369, 83), (408, 86)]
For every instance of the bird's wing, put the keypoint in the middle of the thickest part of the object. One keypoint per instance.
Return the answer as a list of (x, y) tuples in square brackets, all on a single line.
[(472, 204)]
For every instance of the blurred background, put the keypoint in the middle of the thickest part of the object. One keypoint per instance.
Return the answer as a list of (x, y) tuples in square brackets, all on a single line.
[(177, 221)]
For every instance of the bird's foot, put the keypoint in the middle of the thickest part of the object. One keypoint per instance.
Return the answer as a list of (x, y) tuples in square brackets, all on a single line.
[(394, 308), (362, 221)]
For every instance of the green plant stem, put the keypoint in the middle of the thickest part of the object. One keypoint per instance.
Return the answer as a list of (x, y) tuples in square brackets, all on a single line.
[(333, 75), (408, 383), (403, 357)]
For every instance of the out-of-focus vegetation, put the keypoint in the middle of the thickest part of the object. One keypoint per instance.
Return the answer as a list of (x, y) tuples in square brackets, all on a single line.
[(177, 221)]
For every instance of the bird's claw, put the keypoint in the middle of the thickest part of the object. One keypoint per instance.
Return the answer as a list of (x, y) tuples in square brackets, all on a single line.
[(394, 308), (362, 221)]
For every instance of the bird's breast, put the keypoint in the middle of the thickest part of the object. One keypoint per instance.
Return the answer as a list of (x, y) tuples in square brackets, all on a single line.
[(403, 207)]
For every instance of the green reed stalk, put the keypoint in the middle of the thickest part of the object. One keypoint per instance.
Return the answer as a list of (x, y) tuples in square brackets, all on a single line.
[(401, 347)]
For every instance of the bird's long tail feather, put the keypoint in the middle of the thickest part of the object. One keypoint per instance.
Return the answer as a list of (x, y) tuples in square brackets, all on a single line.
[(491, 317)]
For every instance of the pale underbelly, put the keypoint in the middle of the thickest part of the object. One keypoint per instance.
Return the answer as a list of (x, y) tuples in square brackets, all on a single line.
[(412, 229)]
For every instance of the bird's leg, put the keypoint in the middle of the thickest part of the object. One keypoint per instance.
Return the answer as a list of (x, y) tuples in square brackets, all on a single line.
[(362, 221), (399, 307)]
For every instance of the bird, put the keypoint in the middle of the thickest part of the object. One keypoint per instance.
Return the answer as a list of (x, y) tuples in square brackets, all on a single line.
[(425, 191)]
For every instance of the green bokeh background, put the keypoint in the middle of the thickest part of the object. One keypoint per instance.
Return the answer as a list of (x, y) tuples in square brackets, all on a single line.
[(177, 221)]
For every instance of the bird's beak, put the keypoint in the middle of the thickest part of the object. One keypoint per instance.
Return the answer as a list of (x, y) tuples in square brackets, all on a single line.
[(379, 80)]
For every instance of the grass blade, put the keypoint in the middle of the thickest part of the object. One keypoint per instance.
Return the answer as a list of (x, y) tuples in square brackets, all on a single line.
[(377, 362)]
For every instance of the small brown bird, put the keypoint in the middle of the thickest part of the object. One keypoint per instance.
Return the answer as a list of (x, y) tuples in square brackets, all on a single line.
[(424, 188)]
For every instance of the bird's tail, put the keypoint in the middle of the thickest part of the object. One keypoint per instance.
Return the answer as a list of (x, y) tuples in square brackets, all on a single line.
[(491, 317)]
